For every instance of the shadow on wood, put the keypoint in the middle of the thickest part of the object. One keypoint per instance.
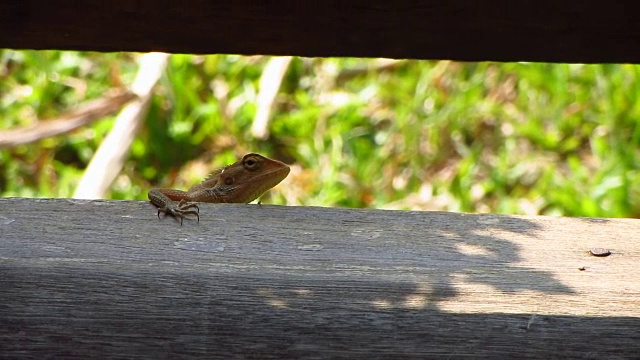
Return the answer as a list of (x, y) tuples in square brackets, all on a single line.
[(108, 279)]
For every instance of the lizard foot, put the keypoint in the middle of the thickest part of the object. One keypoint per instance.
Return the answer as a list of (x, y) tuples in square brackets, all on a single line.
[(181, 210)]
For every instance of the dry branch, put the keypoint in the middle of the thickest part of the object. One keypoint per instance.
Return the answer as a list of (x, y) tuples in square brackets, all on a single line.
[(109, 159), (270, 82), (74, 119)]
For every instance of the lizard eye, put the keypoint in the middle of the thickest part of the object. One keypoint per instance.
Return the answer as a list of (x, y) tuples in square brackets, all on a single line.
[(251, 163), (229, 181)]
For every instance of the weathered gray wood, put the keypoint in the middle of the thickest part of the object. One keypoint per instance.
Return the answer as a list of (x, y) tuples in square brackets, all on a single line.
[(502, 30), (107, 279)]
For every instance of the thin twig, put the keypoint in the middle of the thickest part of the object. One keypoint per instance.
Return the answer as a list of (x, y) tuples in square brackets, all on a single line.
[(373, 66)]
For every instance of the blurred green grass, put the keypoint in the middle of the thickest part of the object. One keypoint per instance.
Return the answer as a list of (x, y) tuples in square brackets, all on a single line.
[(518, 138)]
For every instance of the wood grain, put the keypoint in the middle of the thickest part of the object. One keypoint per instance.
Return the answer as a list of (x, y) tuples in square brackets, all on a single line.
[(498, 30), (107, 279)]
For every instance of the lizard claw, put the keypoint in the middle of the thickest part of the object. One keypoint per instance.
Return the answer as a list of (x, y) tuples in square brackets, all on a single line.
[(180, 210)]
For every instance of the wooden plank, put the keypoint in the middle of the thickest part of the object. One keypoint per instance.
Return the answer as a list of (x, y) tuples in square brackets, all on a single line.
[(107, 279), (498, 30)]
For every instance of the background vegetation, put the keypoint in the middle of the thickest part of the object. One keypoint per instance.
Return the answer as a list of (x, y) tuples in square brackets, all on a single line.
[(521, 138)]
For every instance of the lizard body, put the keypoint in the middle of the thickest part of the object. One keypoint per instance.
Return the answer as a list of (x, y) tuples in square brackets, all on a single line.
[(241, 182)]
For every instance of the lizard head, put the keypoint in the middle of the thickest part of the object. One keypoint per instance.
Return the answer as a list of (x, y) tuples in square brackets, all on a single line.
[(251, 176)]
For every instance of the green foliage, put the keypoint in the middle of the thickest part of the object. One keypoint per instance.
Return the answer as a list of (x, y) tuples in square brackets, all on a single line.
[(557, 139)]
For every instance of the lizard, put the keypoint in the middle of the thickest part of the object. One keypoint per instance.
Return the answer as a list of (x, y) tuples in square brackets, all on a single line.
[(241, 182)]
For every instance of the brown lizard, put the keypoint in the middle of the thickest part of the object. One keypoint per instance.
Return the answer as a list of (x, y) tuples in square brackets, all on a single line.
[(241, 182)]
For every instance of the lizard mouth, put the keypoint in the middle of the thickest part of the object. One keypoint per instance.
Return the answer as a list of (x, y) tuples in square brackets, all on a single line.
[(281, 172), (270, 178)]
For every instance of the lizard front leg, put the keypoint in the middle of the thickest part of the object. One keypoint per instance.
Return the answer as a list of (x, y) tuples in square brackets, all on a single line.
[(167, 202)]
